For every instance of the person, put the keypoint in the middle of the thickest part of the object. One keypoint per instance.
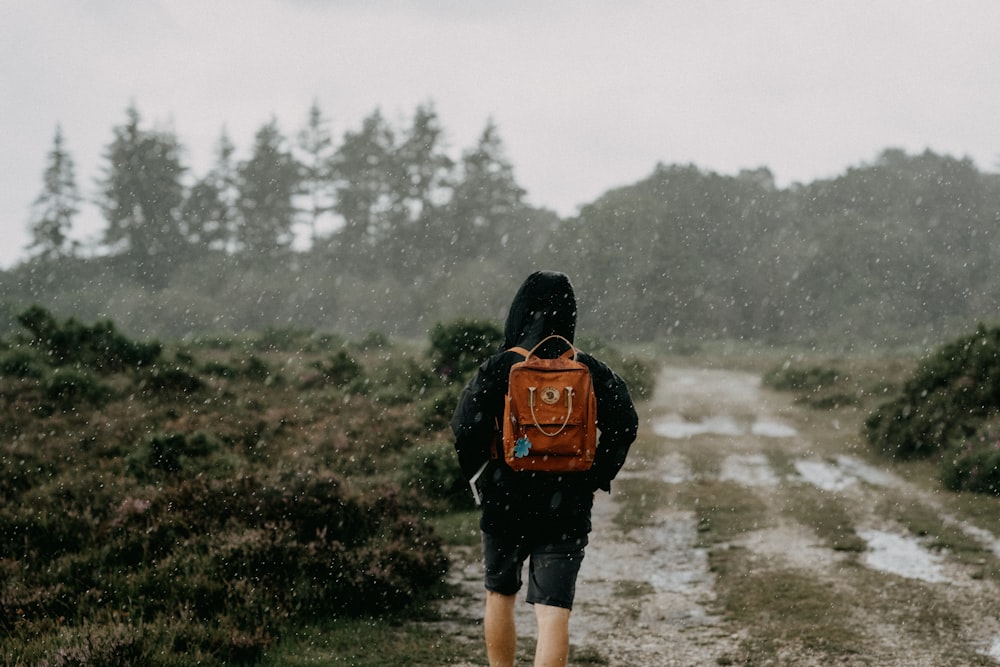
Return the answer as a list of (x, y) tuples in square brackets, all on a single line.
[(541, 518)]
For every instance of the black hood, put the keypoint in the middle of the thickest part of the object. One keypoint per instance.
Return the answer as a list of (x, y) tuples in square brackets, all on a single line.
[(544, 305)]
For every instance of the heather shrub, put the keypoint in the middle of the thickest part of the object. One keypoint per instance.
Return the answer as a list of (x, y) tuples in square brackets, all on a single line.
[(399, 380), (950, 394), (819, 387), (788, 377), (437, 406), (169, 380), (99, 346), (22, 362), (432, 470), (67, 388), (458, 347), (340, 369), (250, 367), (974, 464), (191, 510), (638, 374), (259, 550), (172, 453)]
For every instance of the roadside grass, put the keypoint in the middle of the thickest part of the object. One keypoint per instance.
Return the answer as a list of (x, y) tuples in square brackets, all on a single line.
[(629, 589), (638, 500), (925, 619), (782, 608), (371, 642), (460, 528), (942, 535), (724, 510), (827, 516)]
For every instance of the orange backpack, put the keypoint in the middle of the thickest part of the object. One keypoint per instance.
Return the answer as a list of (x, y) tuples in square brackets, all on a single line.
[(550, 415)]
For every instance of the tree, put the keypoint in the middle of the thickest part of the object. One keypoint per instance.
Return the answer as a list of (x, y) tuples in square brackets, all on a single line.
[(419, 187), (487, 200), (142, 191), (210, 208), (316, 146), (268, 183), (363, 166), (57, 205)]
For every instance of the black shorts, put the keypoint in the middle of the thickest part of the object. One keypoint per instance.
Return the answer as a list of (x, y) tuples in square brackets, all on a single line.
[(552, 568)]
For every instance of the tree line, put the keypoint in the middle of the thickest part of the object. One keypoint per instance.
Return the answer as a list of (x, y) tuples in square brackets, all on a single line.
[(399, 234), (381, 192)]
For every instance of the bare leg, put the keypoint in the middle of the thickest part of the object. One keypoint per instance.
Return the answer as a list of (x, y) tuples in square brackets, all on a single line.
[(498, 624), (552, 649)]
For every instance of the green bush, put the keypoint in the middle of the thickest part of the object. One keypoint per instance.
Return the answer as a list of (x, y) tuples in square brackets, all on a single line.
[(951, 393), (170, 380), (251, 553), (790, 378), (70, 387), (458, 347), (637, 373), (340, 369), (98, 347), (251, 368), (398, 380), (171, 453), (975, 464), (432, 470), (22, 363), (436, 407), (200, 531)]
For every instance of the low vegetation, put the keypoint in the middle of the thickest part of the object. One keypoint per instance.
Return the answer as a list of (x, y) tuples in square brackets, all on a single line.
[(945, 408), (206, 501)]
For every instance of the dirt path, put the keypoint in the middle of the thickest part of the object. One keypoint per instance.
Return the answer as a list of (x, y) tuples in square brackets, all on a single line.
[(745, 530)]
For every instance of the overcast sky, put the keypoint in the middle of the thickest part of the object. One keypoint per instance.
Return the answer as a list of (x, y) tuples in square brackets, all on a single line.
[(587, 95)]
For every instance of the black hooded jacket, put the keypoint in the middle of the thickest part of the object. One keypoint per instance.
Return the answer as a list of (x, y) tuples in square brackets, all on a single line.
[(540, 505)]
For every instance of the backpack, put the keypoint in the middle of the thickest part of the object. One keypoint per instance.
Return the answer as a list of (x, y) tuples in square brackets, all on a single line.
[(550, 413)]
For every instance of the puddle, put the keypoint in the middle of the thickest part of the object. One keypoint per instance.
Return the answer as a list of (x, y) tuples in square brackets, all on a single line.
[(675, 469), (994, 651), (825, 476), (902, 555), (844, 472), (773, 429), (748, 470), (676, 564), (678, 428), (985, 537), (866, 472)]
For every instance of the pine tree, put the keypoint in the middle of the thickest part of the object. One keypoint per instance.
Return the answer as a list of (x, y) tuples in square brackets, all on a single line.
[(268, 183), (142, 192), (487, 202), (209, 211), (420, 188), (363, 167), (316, 145), (56, 206)]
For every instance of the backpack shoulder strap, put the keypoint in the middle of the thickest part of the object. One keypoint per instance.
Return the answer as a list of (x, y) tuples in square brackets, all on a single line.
[(520, 350)]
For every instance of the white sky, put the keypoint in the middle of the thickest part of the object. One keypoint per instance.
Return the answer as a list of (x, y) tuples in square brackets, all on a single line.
[(587, 95)]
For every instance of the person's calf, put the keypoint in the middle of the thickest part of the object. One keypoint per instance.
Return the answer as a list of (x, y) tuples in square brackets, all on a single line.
[(499, 628), (552, 649)]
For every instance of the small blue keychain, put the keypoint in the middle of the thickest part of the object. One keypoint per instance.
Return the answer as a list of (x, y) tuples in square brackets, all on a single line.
[(521, 447)]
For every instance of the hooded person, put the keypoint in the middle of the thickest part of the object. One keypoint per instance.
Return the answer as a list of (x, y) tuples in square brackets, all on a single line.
[(540, 517)]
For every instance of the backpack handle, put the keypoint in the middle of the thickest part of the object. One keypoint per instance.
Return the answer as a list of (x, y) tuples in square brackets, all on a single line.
[(569, 409), (571, 353), (572, 348)]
